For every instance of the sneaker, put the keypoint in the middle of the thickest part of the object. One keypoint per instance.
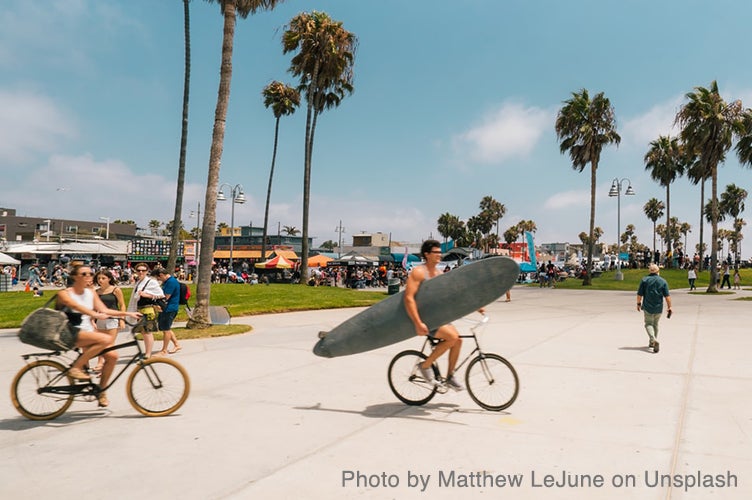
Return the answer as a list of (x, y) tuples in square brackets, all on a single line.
[(427, 373), (78, 374), (651, 344), (454, 384), (656, 347)]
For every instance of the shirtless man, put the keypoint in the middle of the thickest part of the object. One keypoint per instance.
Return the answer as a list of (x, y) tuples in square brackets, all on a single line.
[(450, 338)]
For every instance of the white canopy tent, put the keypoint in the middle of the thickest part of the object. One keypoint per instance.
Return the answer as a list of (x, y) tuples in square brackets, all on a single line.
[(6, 259)]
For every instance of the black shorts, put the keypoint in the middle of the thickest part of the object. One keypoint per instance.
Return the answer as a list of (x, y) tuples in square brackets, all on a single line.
[(165, 320)]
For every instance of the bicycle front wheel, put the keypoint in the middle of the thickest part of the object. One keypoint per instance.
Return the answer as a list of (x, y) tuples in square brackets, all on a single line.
[(158, 387), (405, 379), (28, 397), (492, 382)]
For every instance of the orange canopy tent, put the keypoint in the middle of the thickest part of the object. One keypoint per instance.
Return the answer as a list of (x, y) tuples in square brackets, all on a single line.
[(319, 260), (277, 262)]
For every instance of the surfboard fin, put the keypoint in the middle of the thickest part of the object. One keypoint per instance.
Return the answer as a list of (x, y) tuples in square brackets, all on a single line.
[(322, 334)]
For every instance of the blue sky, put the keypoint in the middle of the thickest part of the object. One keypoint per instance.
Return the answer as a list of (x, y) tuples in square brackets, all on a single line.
[(453, 101)]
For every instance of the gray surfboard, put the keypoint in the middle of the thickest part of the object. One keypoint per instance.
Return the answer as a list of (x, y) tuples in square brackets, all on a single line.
[(440, 300)]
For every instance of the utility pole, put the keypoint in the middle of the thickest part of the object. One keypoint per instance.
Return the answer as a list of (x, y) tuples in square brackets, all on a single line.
[(339, 229)]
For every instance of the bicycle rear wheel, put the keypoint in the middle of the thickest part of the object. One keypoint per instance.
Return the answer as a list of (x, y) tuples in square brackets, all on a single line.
[(25, 390), (158, 387), (405, 379), (492, 382)]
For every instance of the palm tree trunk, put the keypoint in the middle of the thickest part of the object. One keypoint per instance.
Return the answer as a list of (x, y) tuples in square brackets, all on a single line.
[(669, 249), (176, 220), (200, 317), (588, 275), (702, 222), (269, 190), (713, 286), (310, 128)]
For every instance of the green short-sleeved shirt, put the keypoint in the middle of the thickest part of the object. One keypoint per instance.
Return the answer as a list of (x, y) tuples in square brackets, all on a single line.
[(653, 289)]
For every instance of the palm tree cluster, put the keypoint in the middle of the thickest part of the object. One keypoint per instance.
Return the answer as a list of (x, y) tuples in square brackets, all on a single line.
[(477, 231), (708, 125), (323, 63)]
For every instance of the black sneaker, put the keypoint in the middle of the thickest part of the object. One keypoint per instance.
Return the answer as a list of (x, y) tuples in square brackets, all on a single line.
[(651, 344), (656, 347)]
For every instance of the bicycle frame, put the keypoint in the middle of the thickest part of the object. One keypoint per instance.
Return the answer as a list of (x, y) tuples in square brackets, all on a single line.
[(472, 335), (88, 388)]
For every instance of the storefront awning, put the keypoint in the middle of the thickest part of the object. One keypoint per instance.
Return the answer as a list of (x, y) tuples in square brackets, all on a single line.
[(238, 254)]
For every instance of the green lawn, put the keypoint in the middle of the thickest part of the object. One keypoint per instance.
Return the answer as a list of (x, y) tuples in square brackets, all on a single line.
[(676, 278), (240, 300)]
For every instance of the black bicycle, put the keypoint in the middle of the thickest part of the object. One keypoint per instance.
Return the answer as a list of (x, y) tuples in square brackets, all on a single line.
[(43, 389), (491, 380)]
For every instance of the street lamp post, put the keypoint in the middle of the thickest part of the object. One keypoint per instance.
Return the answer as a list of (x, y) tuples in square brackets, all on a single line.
[(49, 222), (237, 196), (616, 191), (197, 215), (107, 235)]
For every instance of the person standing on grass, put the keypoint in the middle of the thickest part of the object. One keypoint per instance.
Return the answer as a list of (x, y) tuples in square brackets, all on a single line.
[(650, 295), (171, 290)]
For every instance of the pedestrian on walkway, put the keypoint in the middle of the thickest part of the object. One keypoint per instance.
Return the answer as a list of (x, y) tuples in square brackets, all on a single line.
[(650, 295), (171, 289), (692, 276), (726, 276)]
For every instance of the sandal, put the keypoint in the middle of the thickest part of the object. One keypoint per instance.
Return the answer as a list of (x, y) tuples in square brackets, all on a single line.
[(103, 401), (177, 349)]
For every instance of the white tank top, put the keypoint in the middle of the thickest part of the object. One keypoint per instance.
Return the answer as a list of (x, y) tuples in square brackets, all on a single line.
[(87, 300)]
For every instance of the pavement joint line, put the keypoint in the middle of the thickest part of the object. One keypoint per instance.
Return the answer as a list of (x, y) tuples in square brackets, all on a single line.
[(688, 377)]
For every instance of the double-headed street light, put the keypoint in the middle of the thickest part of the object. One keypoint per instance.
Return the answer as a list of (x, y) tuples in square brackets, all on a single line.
[(237, 196), (616, 191)]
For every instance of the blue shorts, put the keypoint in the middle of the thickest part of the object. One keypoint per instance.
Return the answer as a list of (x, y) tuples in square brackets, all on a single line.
[(165, 320)]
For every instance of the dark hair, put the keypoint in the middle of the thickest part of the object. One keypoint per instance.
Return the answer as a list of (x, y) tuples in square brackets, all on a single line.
[(159, 271), (75, 268), (429, 245), (105, 272)]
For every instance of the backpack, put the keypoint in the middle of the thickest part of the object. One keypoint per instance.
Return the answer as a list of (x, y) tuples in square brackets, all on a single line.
[(185, 294)]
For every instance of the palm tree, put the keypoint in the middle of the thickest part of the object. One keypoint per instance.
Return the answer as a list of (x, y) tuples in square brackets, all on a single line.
[(653, 210), (708, 125), (230, 10), (732, 203), (290, 230), (665, 160), (685, 229), (494, 209), (584, 127), (283, 100), (324, 65), (154, 226), (174, 240), (448, 226)]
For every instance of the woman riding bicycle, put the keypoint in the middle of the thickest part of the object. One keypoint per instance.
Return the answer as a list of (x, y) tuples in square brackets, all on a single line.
[(83, 307)]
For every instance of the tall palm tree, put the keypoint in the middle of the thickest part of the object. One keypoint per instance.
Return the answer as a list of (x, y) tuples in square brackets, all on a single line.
[(653, 210), (230, 10), (448, 226), (708, 126), (685, 229), (174, 240), (494, 209), (283, 100), (324, 65), (732, 203), (698, 175), (666, 161), (584, 127)]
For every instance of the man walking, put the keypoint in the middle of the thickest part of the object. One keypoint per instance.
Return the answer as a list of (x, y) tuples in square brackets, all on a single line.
[(650, 295), (171, 289)]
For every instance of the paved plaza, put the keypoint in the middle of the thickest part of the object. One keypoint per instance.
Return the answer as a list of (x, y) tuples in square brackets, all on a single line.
[(598, 415)]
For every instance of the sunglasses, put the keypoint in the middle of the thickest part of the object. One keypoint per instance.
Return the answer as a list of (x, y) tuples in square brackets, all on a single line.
[(141, 270), (86, 274)]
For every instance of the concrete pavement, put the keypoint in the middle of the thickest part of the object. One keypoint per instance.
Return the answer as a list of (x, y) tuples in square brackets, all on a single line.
[(598, 416)]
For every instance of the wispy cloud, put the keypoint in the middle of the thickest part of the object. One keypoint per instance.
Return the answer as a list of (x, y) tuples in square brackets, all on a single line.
[(640, 130), (510, 131), (568, 199), (30, 123)]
